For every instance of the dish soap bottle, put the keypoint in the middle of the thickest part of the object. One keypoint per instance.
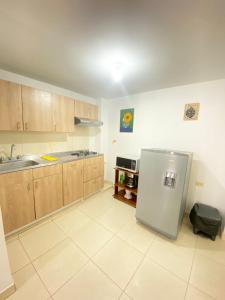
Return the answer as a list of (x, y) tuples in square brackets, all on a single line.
[(121, 178)]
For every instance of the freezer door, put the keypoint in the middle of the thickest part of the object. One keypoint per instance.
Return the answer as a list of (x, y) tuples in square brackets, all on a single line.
[(160, 190)]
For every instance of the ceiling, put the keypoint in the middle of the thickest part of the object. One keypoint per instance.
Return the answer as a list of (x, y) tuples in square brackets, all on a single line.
[(72, 43)]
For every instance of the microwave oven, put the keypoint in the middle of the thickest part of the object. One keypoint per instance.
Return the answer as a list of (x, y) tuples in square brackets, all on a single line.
[(128, 163)]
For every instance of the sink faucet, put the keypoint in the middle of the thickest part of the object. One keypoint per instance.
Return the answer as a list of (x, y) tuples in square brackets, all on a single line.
[(3, 155), (13, 147)]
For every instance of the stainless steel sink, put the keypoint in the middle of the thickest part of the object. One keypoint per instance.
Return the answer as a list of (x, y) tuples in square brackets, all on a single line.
[(14, 165)]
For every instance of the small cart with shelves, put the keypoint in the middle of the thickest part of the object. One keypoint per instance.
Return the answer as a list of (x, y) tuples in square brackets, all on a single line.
[(120, 188)]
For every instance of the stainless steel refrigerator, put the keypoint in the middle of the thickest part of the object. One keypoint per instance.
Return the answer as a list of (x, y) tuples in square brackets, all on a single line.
[(162, 189)]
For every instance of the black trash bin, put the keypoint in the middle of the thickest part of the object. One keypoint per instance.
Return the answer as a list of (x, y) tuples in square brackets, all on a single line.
[(206, 219)]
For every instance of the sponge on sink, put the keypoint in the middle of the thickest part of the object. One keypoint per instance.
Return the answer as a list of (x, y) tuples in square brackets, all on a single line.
[(49, 158)]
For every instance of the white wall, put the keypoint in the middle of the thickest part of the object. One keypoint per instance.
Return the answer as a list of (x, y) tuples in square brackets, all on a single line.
[(6, 279), (158, 122), (37, 143)]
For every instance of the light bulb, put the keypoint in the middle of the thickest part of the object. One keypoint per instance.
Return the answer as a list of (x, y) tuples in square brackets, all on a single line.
[(117, 71)]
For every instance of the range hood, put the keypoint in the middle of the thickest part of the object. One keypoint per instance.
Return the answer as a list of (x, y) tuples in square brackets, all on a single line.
[(84, 122)]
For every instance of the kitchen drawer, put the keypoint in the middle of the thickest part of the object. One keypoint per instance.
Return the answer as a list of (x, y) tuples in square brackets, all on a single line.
[(47, 171), (99, 183), (92, 186), (93, 167)]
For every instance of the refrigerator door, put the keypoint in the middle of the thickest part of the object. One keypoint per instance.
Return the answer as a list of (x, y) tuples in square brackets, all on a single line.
[(160, 190)]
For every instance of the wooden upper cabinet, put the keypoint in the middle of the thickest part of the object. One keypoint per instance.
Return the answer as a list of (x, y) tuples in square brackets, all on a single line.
[(63, 114), (16, 199), (92, 111), (37, 110), (10, 106), (86, 110), (72, 181), (80, 109)]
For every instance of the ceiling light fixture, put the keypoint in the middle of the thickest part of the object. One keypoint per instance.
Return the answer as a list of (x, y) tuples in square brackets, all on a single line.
[(117, 71)]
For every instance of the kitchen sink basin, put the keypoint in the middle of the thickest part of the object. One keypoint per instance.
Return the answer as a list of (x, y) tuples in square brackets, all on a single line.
[(14, 165)]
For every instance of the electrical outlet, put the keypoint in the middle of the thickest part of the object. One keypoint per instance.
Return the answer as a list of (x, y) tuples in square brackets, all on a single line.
[(199, 183)]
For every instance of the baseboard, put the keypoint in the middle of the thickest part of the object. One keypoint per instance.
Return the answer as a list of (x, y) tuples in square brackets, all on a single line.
[(8, 292), (223, 235), (107, 185)]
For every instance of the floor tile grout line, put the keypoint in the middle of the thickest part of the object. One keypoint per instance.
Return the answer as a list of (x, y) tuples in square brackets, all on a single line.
[(192, 263), (195, 254), (91, 219), (36, 270), (167, 270), (51, 248), (114, 234), (139, 265), (69, 238), (76, 244), (34, 227), (31, 262), (123, 290), (209, 258), (71, 277), (91, 258), (100, 269)]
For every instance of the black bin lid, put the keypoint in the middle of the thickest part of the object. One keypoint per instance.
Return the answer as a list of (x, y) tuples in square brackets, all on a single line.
[(207, 212)]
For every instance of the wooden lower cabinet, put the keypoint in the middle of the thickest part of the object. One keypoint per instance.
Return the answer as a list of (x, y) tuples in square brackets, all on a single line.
[(93, 175), (93, 167), (92, 186), (32, 194), (73, 181), (99, 183), (48, 190), (16, 199)]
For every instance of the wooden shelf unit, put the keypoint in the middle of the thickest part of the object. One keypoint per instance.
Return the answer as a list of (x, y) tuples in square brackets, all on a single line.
[(119, 189)]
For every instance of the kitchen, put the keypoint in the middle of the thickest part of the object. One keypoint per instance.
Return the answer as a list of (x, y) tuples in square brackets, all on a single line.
[(64, 122)]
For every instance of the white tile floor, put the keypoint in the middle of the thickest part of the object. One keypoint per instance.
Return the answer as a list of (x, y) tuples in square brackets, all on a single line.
[(96, 250)]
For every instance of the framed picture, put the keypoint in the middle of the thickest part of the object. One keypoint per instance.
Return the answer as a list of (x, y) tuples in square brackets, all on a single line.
[(191, 111), (126, 120)]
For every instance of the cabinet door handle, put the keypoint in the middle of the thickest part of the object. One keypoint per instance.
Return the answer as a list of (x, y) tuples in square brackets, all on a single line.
[(26, 126), (18, 125), (28, 187)]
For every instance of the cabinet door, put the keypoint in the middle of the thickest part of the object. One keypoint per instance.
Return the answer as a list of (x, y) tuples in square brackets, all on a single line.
[(16, 199), (93, 111), (80, 109), (89, 169), (63, 114), (99, 183), (93, 167), (37, 110), (100, 165), (86, 110), (72, 181), (93, 186), (89, 188), (10, 106), (48, 194)]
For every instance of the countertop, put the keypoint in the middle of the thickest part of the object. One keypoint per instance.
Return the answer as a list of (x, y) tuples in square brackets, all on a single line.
[(63, 157)]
